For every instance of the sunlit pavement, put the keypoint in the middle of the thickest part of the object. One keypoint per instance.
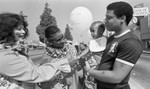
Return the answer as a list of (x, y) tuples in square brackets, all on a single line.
[(137, 79), (141, 72), (134, 85)]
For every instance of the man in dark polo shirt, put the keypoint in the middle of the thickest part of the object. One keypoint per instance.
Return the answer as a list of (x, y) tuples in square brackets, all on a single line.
[(122, 51)]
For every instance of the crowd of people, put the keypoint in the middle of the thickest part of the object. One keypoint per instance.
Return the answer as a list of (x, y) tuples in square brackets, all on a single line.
[(104, 63)]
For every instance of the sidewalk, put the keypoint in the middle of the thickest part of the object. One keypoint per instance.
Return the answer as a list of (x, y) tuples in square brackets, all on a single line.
[(134, 85)]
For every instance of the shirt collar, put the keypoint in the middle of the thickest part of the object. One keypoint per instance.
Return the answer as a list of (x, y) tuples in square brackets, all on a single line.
[(122, 33)]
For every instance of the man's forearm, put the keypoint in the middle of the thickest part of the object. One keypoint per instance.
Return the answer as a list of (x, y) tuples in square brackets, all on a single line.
[(104, 76)]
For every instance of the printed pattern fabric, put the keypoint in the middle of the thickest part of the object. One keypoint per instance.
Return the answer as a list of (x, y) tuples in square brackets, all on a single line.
[(89, 80), (6, 83), (59, 81)]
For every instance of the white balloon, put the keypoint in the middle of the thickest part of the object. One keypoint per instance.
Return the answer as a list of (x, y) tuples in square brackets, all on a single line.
[(81, 18)]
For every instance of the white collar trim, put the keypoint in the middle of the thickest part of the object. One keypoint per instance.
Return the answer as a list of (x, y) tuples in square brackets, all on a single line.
[(122, 34)]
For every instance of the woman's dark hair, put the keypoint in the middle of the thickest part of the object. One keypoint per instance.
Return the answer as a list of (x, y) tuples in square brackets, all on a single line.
[(54, 37), (9, 21), (51, 32), (122, 9)]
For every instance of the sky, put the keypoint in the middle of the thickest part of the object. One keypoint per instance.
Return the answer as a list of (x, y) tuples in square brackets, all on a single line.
[(61, 10)]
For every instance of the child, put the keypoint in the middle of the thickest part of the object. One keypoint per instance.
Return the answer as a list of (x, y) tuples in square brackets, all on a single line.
[(91, 54), (98, 42)]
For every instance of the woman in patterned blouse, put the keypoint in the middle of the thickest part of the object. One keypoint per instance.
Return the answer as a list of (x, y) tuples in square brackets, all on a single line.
[(16, 69), (57, 48)]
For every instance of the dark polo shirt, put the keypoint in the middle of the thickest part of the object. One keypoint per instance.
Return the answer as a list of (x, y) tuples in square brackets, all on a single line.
[(127, 48)]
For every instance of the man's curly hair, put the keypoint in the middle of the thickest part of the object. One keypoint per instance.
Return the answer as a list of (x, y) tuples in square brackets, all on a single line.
[(9, 21)]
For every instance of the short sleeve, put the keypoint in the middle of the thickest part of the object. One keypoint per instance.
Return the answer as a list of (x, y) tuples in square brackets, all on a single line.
[(129, 50)]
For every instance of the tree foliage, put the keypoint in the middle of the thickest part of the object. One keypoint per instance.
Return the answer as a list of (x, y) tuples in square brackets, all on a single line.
[(46, 20), (67, 33)]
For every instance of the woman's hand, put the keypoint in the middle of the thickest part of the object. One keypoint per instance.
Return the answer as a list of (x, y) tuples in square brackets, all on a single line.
[(72, 63), (65, 68)]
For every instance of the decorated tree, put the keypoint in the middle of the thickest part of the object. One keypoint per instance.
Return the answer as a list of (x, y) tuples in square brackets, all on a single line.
[(67, 33), (46, 20)]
